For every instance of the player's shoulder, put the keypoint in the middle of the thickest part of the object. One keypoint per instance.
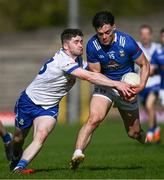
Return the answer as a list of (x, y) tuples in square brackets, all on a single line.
[(121, 34), (159, 49), (92, 39), (155, 46), (123, 39), (60, 58), (60, 55), (93, 43)]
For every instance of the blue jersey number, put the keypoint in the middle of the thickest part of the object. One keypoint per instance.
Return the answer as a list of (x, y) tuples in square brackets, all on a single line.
[(44, 67)]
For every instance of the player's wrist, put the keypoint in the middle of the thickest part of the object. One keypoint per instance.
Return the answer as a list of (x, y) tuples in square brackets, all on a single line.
[(114, 84), (142, 85)]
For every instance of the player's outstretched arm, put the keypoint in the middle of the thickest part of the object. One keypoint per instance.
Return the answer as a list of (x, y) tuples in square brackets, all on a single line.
[(99, 79)]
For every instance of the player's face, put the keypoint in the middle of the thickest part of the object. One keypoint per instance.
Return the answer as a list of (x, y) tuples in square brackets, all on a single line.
[(75, 46), (145, 36), (106, 34)]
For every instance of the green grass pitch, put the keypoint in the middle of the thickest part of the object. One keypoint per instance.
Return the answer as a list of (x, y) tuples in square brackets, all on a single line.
[(111, 155)]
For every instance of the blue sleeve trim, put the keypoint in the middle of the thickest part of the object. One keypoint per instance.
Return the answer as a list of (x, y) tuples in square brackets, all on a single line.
[(72, 69), (153, 59), (137, 55)]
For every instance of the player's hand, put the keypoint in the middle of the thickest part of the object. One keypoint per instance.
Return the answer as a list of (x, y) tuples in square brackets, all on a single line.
[(130, 98), (136, 89), (124, 89)]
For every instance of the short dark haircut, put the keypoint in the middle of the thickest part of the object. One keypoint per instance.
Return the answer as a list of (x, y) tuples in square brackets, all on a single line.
[(101, 18), (146, 26), (162, 31), (67, 34)]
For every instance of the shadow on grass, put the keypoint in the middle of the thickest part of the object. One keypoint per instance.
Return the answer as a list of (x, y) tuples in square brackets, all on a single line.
[(90, 168), (112, 168), (51, 169)]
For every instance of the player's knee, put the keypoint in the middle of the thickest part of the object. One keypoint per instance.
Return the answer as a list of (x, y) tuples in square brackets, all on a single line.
[(94, 120), (41, 136)]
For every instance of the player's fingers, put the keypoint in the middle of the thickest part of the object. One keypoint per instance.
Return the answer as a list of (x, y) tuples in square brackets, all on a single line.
[(123, 92), (132, 91), (127, 92)]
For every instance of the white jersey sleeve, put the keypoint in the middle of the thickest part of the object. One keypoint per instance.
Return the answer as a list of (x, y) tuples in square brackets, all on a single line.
[(148, 51), (53, 80), (68, 64)]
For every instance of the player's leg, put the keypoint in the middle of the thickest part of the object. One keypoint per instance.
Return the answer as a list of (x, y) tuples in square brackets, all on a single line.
[(99, 107), (132, 124), (3, 131), (157, 135), (43, 125), (7, 140), (150, 108), (18, 141), (153, 133)]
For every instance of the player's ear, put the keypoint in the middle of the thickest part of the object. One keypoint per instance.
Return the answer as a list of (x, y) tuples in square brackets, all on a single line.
[(65, 46), (114, 27)]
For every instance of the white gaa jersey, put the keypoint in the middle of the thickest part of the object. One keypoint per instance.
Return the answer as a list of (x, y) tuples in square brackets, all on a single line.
[(53, 81), (155, 79)]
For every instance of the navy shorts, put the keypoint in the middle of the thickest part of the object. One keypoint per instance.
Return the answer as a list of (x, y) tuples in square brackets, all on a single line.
[(145, 92), (26, 111)]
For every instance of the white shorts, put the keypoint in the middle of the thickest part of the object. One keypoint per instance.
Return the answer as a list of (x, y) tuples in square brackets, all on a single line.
[(161, 96), (112, 95)]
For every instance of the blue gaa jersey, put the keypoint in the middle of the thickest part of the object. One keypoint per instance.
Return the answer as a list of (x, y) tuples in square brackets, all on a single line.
[(158, 60), (115, 59)]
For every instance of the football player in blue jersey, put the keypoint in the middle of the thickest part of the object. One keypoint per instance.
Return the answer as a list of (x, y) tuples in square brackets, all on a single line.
[(112, 53), (7, 140), (157, 65), (149, 95), (38, 105)]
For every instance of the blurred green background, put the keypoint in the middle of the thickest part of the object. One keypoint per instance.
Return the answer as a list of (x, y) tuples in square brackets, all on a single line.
[(32, 14), (30, 33)]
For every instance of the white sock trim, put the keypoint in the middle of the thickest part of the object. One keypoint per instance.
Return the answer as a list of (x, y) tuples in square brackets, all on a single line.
[(78, 151)]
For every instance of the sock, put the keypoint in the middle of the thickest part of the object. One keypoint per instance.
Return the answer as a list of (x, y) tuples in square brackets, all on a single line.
[(6, 138), (22, 164), (151, 129), (78, 151)]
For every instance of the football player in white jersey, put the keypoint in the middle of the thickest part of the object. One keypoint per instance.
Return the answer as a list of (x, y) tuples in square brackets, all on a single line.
[(7, 140), (150, 94), (38, 105)]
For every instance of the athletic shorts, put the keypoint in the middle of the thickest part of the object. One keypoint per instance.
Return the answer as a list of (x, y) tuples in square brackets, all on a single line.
[(146, 91), (161, 96), (26, 111), (113, 96)]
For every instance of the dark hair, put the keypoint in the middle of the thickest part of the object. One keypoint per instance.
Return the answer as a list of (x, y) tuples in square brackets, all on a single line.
[(146, 26), (101, 18), (162, 31), (67, 34)]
